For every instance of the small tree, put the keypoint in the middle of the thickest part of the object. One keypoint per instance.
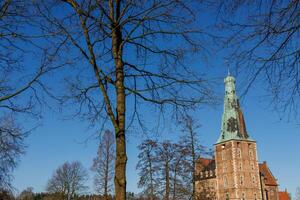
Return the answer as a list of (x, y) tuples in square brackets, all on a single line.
[(297, 196), (148, 168), (26, 194), (191, 144), (165, 156), (68, 180), (11, 148), (6, 195), (179, 166), (103, 164)]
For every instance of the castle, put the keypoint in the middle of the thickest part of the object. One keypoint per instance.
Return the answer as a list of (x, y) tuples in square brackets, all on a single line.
[(234, 171)]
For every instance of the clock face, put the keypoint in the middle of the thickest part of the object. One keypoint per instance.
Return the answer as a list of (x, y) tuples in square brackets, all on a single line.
[(232, 124)]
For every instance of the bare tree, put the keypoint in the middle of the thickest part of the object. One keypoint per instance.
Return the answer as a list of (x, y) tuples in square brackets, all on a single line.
[(264, 43), (148, 168), (297, 195), (68, 180), (180, 172), (26, 194), (134, 52), (190, 142), (22, 65), (165, 156), (6, 195), (103, 164), (11, 148)]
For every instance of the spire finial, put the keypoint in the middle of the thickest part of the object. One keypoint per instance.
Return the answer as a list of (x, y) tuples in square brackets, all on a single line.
[(228, 67)]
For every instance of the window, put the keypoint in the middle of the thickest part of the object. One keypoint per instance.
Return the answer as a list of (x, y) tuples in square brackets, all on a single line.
[(227, 196), (252, 166), (239, 153), (223, 154), (250, 153), (224, 168), (240, 167), (267, 194), (241, 180), (225, 182), (253, 179), (243, 196)]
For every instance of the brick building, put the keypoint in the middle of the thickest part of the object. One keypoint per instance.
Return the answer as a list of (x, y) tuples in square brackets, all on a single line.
[(234, 172)]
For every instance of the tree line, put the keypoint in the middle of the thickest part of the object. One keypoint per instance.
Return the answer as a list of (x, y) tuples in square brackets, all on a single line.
[(166, 171)]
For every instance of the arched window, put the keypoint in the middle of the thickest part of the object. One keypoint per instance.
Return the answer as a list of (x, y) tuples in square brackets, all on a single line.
[(225, 182), (240, 166), (250, 153), (253, 179), (223, 154), (243, 196), (239, 153), (241, 180), (227, 196), (252, 166)]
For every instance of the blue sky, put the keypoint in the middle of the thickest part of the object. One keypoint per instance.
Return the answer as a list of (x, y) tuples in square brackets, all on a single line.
[(56, 141)]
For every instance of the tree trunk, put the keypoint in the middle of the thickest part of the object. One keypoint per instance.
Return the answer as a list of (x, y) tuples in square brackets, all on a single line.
[(175, 182), (167, 181), (106, 171), (151, 179), (121, 157), (194, 166)]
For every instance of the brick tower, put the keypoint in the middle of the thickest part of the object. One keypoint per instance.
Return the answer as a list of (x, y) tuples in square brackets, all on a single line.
[(237, 170)]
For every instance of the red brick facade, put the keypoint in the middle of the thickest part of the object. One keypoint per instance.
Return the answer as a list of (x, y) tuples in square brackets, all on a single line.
[(237, 170)]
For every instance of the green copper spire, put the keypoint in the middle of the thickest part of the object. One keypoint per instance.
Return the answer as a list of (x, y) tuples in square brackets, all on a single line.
[(233, 124)]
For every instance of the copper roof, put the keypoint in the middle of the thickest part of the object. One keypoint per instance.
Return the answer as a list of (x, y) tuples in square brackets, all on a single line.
[(268, 177)]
